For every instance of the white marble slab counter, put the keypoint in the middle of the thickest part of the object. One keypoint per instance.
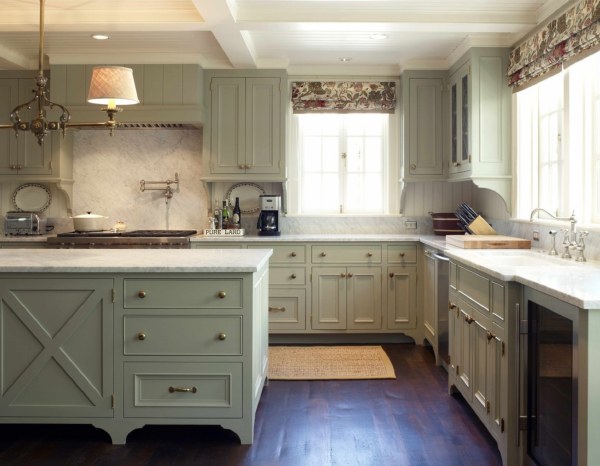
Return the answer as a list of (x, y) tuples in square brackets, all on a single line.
[(133, 260), (338, 238), (438, 242), (577, 283), (24, 239)]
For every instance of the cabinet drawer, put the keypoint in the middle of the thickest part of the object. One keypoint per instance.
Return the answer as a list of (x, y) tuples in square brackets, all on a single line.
[(287, 309), (333, 254), (182, 293), (284, 253), (475, 288), (183, 390), (287, 276), (402, 254), (182, 335)]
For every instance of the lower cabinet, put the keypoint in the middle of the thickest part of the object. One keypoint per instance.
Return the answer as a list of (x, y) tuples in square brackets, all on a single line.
[(336, 287), (480, 316), (346, 298), (122, 351)]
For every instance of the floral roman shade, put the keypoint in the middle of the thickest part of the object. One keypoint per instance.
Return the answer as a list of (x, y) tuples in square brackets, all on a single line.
[(343, 97), (573, 32)]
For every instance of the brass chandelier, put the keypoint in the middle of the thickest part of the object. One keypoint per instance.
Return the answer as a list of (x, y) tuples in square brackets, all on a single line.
[(109, 86)]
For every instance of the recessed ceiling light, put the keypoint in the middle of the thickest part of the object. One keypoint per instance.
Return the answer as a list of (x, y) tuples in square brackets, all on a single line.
[(100, 36), (345, 59), (378, 36)]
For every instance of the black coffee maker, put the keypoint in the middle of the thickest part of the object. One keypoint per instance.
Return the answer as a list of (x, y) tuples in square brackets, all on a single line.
[(268, 219)]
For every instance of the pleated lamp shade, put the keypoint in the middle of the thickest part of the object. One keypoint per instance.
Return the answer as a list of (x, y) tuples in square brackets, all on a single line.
[(112, 86)]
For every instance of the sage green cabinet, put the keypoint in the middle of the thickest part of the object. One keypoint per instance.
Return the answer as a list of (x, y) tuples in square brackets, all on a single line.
[(482, 349), (56, 348), (422, 97), (402, 297), (480, 120), (346, 298), (245, 134)]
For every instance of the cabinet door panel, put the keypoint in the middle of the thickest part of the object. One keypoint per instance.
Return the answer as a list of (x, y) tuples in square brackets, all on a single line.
[(9, 95), (227, 128), (329, 298), (465, 352), (56, 347), (287, 309), (401, 297), (262, 125), (481, 350), (364, 298), (429, 300)]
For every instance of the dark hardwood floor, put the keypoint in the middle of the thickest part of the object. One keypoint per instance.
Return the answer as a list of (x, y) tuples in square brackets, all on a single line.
[(408, 421)]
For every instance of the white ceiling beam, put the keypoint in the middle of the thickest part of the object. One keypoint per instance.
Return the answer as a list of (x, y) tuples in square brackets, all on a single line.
[(221, 16), (11, 60)]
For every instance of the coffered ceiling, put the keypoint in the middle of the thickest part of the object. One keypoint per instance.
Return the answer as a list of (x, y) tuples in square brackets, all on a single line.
[(303, 36)]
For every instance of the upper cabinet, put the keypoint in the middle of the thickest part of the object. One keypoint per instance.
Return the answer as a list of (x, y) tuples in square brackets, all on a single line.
[(244, 137), (167, 93), (457, 123), (479, 120), (422, 105), (22, 158)]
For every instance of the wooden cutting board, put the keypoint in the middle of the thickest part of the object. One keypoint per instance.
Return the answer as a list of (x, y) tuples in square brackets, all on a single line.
[(487, 242)]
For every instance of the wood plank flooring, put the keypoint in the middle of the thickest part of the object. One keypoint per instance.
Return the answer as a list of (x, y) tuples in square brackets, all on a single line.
[(410, 421)]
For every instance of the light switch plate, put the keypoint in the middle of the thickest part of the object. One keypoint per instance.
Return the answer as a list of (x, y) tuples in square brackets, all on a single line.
[(410, 224), (536, 235)]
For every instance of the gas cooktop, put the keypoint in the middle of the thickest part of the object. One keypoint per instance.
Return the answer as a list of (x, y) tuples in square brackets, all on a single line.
[(134, 233)]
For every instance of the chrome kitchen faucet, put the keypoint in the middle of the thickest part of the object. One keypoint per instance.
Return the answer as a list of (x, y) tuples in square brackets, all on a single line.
[(570, 240)]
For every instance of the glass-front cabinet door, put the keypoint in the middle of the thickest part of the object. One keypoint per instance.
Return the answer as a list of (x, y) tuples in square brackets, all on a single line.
[(460, 143)]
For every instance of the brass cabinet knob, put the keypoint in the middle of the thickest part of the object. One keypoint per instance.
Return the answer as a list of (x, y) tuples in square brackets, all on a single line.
[(413, 166), (247, 166), (183, 389), (293, 254), (343, 275), (469, 319), (350, 275), (451, 305), (392, 274), (141, 294), (323, 254), (222, 336), (293, 276), (242, 166), (402, 254), (369, 254), (141, 336), (490, 335), (221, 294)]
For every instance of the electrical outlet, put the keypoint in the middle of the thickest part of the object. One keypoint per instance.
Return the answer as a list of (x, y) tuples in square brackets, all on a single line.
[(410, 224), (536, 235)]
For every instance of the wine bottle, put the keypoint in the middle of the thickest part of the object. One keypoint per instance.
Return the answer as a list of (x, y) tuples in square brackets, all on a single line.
[(226, 217), (236, 221)]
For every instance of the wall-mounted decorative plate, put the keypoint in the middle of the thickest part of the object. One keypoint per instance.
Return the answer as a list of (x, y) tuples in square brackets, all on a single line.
[(248, 194), (31, 197)]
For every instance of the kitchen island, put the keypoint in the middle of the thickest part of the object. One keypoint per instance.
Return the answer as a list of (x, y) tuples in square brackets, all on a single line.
[(124, 338)]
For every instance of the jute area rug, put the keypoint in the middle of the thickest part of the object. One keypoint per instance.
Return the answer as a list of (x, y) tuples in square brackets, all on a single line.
[(329, 363)]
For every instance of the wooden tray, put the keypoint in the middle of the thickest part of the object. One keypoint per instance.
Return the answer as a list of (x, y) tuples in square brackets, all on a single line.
[(487, 242)]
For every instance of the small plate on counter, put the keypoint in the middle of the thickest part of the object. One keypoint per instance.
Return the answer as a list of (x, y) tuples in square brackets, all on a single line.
[(249, 196), (31, 197)]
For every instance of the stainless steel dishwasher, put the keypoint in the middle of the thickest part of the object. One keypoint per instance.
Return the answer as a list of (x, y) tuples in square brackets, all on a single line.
[(435, 304)]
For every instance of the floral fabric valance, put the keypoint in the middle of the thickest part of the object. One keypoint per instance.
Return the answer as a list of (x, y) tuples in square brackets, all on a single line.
[(576, 30), (343, 97)]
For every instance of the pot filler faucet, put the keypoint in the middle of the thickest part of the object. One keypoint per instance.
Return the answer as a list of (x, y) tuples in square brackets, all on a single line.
[(571, 239)]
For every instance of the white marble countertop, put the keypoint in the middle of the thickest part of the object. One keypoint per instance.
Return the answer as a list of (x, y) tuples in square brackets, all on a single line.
[(309, 238), (577, 283), (24, 239), (132, 260)]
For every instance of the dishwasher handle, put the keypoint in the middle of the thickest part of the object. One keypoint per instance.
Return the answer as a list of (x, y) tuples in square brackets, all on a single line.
[(440, 257)]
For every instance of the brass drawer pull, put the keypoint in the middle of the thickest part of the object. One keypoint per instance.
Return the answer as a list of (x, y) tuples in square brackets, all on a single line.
[(222, 336), (277, 309), (293, 276), (141, 294), (392, 274), (183, 389), (323, 254), (141, 336), (293, 254), (221, 294)]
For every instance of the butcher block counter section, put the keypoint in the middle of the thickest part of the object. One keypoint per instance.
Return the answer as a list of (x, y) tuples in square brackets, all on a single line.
[(124, 338), (487, 242)]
